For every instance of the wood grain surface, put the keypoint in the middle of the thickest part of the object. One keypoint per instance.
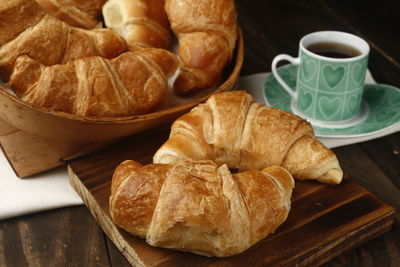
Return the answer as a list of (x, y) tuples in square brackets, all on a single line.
[(324, 220), (72, 237)]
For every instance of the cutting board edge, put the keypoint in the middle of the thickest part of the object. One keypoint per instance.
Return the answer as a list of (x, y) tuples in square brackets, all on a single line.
[(367, 233), (108, 227)]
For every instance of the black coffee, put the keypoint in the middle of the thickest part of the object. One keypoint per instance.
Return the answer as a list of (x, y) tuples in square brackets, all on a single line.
[(333, 50)]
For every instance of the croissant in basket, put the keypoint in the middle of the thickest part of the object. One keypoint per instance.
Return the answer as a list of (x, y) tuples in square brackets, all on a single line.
[(25, 29), (232, 129), (140, 22), (132, 83), (199, 207), (77, 13), (207, 32)]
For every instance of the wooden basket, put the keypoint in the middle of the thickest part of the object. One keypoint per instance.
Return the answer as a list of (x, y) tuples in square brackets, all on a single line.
[(71, 135)]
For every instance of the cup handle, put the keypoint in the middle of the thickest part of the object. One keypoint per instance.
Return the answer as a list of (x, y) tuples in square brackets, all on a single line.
[(275, 61)]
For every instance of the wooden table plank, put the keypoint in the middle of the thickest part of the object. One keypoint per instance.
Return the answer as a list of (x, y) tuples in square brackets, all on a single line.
[(385, 152), (116, 257), (63, 237)]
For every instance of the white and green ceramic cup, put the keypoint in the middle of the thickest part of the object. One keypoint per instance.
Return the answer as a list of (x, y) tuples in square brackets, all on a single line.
[(328, 90)]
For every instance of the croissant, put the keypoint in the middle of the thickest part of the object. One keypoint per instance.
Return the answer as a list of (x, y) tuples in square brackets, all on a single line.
[(77, 13), (231, 128), (48, 40), (16, 16), (140, 22), (132, 83), (206, 32), (199, 207)]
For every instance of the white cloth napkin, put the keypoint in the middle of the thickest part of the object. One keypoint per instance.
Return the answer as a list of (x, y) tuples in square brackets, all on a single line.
[(45, 191), (52, 189)]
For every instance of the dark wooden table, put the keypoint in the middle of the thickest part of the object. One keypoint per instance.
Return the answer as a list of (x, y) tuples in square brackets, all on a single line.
[(71, 237)]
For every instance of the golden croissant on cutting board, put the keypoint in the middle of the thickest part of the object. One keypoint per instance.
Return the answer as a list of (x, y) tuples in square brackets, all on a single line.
[(230, 128), (199, 207), (25, 29), (133, 83)]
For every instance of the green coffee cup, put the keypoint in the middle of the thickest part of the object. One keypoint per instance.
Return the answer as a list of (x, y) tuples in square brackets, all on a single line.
[(330, 78)]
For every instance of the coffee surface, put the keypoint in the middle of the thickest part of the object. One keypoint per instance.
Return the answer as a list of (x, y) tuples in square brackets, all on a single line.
[(333, 50)]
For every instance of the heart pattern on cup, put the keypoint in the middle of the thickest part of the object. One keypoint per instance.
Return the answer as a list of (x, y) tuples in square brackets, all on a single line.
[(353, 104), (304, 101), (309, 69), (333, 75), (358, 72), (328, 107)]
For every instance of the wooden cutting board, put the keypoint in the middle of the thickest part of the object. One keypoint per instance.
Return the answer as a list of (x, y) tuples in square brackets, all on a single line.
[(324, 220)]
